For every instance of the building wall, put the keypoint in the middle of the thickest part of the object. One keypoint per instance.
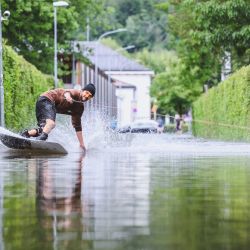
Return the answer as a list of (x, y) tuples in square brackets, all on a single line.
[(105, 98), (125, 97), (132, 105), (142, 96)]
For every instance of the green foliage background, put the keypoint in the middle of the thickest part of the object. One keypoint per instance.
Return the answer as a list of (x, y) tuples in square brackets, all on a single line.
[(30, 28), (182, 41), (146, 24), (200, 32), (224, 111), (23, 83)]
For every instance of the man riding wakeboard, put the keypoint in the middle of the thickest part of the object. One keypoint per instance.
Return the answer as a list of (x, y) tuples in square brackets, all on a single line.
[(61, 101)]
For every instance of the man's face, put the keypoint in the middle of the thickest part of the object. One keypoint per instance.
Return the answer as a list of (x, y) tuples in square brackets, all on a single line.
[(86, 95)]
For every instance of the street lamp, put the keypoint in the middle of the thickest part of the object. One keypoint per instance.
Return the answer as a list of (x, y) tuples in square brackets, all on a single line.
[(126, 48), (120, 49), (96, 54), (55, 5), (3, 17), (110, 32)]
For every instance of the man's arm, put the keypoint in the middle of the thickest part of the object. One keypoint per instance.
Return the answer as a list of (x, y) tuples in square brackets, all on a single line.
[(68, 97), (76, 122), (79, 135)]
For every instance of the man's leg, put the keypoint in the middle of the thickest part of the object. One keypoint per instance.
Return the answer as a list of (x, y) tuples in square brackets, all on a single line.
[(42, 132), (31, 133), (46, 116), (50, 124)]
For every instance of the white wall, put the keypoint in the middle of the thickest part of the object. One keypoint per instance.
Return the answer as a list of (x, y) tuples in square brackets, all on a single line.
[(124, 105), (142, 83)]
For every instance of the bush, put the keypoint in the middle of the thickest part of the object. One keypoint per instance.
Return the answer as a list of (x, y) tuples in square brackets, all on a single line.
[(23, 83), (224, 111), (170, 128)]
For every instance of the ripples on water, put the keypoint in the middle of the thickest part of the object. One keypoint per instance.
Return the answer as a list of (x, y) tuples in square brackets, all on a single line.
[(128, 192)]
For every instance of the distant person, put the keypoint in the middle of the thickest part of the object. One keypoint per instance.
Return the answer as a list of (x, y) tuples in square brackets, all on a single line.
[(113, 124), (188, 120), (61, 101), (160, 125), (177, 118)]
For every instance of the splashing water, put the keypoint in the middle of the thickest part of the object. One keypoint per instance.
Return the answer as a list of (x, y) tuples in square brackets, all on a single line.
[(99, 137), (6, 131), (97, 134)]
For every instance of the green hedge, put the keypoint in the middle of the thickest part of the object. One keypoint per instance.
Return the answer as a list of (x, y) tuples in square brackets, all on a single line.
[(23, 83), (224, 111), (171, 128)]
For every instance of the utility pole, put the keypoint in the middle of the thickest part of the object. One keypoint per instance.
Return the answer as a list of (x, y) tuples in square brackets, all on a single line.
[(55, 5), (5, 16), (55, 47), (88, 29)]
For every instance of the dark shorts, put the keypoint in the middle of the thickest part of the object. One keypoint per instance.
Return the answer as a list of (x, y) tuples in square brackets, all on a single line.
[(45, 109)]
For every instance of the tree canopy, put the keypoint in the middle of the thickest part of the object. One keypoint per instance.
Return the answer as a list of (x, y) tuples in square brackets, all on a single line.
[(198, 33), (203, 31), (145, 22), (30, 27)]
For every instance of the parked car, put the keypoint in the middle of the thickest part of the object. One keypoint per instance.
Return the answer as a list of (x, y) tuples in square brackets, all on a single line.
[(144, 126), (124, 129), (140, 126)]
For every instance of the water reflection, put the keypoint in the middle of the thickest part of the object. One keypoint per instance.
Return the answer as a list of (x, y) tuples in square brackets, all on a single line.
[(1, 210), (129, 200), (92, 203), (59, 199), (117, 191)]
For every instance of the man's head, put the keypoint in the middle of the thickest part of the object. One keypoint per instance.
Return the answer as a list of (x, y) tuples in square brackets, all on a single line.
[(88, 92)]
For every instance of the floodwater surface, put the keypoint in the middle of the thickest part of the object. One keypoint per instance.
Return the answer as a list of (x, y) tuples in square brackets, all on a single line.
[(130, 192)]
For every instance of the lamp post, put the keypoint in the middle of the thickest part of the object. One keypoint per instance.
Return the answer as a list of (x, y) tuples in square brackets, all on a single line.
[(55, 5), (96, 53), (126, 48), (3, 17), (110, 32)]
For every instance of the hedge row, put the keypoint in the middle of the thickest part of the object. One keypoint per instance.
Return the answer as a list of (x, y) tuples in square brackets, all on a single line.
[(224, 111), (23, 83), (171, 128)]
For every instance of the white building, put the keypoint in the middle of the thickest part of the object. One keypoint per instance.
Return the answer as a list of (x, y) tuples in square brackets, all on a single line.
[(132, 80)]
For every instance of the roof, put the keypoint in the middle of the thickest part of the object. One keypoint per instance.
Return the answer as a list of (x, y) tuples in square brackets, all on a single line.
[(106, 58), (121, 84)]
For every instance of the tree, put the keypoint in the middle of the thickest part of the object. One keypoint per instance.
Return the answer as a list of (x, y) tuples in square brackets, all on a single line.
[(225, 26), (205, 30), (158, 60), (128, 8), (30, 28), (146, 24), (173, 91), (171, 86)]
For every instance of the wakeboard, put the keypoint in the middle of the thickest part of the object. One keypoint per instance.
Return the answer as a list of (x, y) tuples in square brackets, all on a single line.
[(22, 143)]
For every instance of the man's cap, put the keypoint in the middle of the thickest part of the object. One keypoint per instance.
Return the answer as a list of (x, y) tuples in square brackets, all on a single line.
[(91, 88)]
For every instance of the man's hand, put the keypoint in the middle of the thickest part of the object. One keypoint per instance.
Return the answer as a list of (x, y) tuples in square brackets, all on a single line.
[(81, 141), (68, 97), (83, 148)]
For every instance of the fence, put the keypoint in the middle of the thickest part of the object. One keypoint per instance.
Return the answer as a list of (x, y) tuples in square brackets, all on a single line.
[(105, 99)]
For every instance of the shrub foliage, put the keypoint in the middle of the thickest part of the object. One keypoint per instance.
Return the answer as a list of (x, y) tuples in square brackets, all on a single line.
[(224, 111), (23, 83)]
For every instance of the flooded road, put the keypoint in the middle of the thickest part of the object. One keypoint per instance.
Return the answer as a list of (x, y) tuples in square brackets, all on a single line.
[(129, 192)]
